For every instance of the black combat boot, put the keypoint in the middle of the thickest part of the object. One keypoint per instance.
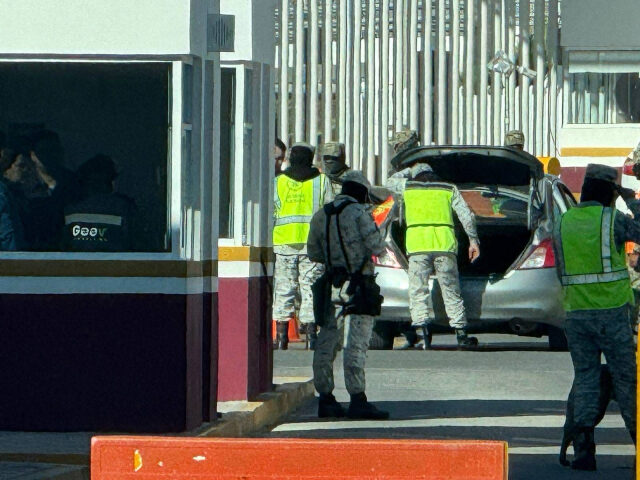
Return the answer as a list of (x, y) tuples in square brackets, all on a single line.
[(312, 335), (464, 340), (584, 448), (360, 408), (282, 336), (328, 406), (411, 338), (424, 333)]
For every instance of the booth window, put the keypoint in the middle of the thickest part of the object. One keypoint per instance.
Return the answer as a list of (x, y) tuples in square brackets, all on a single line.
[(227, 150), (604, 98), (79, 130)]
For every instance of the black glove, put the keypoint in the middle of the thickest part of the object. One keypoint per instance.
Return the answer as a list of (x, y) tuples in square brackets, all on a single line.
[(626, 193), (636, 170)]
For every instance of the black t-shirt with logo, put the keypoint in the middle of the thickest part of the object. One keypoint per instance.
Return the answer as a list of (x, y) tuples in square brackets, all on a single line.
[(100, 223)]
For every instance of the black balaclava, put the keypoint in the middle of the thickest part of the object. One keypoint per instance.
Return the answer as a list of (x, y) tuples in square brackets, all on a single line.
[(356, 190), (301, 169), (597, 190), (333, 166)]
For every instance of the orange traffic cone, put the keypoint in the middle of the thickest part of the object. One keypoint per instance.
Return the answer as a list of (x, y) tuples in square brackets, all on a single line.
[(293, 333)]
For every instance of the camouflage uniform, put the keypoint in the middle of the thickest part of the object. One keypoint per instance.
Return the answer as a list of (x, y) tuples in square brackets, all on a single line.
[(294, 274), (445, 266), (590, 333), (293, 277), (362, 239), (593, 332)]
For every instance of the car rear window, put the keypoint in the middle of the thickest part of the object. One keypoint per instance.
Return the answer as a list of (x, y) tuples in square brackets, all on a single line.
[(495, 206)]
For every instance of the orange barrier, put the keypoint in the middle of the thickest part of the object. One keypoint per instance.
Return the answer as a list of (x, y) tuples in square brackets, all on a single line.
[(116, 458)]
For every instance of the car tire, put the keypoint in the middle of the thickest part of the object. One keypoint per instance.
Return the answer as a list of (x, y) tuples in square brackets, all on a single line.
[(382, 336), (557, 339)]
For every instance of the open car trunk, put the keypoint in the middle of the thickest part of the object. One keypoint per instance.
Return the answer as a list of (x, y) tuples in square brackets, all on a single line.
[(502, 242), (498, 185), (500, 247)]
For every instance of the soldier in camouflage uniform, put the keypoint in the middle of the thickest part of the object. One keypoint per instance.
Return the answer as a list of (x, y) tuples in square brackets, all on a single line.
[(298, 193), (334, 164), (361, 239), (589, 244), (429, 258)]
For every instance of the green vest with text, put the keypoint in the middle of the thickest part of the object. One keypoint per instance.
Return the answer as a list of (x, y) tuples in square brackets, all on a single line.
[(429, 218), (296, 203), (594, 270)]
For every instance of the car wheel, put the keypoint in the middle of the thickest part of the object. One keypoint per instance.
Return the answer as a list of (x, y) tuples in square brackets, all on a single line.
[(557, 339), (382, 336)]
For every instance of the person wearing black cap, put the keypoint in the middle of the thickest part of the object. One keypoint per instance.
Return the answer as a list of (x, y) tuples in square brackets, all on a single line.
[(103, 220), (589, 244), (299, 192)]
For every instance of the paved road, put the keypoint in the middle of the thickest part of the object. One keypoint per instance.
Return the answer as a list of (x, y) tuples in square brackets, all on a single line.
[(513, 389)]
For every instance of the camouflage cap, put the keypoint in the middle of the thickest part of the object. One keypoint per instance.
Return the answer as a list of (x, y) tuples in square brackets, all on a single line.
[(419, 168), (332, 149), (636, 248), (355, 176), (514, 137), (601, 172), (404, 140)]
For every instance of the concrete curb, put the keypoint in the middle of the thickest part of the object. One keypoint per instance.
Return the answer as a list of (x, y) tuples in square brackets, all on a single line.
[(240, 419)]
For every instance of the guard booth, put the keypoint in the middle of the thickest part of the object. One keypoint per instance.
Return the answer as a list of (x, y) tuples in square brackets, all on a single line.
[(247, 111), (114, 341), (601, 87)]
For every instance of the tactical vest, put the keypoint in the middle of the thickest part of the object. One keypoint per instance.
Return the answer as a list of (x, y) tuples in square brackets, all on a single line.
[(594, 271), (297, 202), (429, 219)]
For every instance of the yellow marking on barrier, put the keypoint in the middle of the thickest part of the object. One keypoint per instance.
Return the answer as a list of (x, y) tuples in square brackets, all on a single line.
[(137, 461), (595, 151)]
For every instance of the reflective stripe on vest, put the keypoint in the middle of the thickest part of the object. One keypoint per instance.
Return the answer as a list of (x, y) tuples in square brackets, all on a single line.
[(298, 201), (429, 219), (594, 272)]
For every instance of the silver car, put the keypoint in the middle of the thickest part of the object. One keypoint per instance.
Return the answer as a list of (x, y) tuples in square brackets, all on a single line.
[(513, 287)]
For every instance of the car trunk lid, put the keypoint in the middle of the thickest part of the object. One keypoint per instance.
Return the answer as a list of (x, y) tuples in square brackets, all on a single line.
[(499, 166)]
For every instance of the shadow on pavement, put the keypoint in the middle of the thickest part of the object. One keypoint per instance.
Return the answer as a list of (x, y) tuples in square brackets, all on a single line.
[(472, 419)]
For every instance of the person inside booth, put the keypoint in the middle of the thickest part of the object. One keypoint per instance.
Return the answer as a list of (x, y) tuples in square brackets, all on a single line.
[(103, 220)]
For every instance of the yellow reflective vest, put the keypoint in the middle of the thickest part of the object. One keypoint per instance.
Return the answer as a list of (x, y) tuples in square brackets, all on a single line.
[(429, 218), (594, 271), (296, 202)]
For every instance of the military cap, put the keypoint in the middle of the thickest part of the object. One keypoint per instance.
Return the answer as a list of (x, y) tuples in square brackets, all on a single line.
[(332, 149), (419, 168), (514, 137), (355, 176), (404, 140), (601, 172)]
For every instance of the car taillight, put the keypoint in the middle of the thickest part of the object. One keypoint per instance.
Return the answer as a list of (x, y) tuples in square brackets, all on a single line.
[(627, 169), (389, 260), (542, 256)]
